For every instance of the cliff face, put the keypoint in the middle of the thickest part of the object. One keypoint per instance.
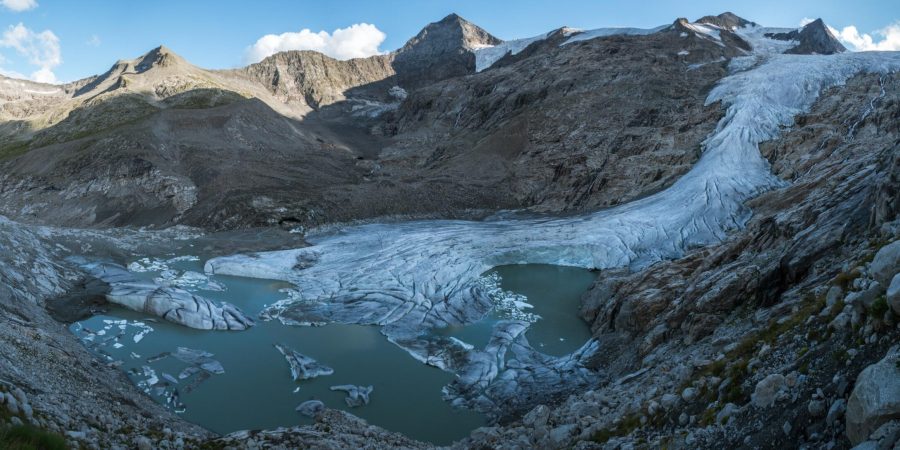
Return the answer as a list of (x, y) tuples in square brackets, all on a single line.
[(315, 79)]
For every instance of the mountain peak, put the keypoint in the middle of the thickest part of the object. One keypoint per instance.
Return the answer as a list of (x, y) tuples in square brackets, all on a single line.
[(814, 38), (443, 49), (160, 56), (727, 20), (452, 30)]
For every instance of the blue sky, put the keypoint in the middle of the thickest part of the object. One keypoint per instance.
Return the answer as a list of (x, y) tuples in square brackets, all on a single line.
[(69, 39)]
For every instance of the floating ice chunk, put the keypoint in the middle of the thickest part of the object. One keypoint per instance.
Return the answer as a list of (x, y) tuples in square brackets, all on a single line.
[(311, 408), (188, 371), (356, 395), (199, 358), (169, 378), (173, 304), (303, 367)]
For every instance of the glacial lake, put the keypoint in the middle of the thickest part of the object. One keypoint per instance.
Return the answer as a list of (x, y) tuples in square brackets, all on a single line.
[(256, 390)]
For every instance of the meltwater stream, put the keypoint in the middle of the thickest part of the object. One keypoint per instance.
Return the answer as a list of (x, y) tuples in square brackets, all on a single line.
[(254, 389)]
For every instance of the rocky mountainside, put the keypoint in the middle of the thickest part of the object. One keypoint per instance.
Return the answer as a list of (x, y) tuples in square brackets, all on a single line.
[(766, 323)]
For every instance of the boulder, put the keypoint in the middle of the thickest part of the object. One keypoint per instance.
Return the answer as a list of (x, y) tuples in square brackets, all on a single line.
[(767, 390), (893, 294), (537, 417), (834, 294), (875, 399), (886, 263)]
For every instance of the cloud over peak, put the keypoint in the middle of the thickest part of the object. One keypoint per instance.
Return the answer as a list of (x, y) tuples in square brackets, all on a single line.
[(19, 5), (851, 37), (862, 42), (356, 41), (41, 49)]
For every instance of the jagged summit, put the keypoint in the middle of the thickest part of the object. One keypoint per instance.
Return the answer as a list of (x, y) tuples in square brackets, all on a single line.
[(443, 49), (727, 20), (814, 38), (160, 56), (448, 33)]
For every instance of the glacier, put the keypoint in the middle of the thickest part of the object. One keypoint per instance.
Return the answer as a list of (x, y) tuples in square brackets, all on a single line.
[(411, 277)]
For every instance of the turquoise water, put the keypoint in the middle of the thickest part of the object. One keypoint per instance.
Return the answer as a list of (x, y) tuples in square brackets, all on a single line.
[(256, 390), (555, 294)]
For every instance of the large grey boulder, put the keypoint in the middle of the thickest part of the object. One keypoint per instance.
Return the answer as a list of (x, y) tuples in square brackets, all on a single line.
[(886, 263), (767, 390), (875, 399), (171, 303), (893, 294)]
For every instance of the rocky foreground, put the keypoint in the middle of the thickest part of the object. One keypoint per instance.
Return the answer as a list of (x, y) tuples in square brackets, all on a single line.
[(782, 333)]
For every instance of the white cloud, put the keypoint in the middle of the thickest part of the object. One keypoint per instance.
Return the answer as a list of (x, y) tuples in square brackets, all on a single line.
[(806, 21), (356, 41), (19, 5), (40, 49), (94, 41), (11, 73), (856, 41)]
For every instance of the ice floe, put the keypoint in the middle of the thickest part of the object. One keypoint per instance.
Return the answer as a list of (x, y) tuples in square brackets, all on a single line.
[(356, 395), (303, 367), (171, 303)]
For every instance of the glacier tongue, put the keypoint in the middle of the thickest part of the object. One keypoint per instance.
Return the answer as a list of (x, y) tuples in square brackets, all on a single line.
[(413, 276)]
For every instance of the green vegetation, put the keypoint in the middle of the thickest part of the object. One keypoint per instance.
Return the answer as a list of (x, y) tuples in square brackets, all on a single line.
[(879, 307), (27, 437), (12, 149), (628, 424)]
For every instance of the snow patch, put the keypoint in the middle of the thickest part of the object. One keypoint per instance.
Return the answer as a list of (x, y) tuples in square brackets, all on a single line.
[(603, 32), (486, 56)]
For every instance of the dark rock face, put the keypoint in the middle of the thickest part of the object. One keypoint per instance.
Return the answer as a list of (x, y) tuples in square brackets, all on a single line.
[(726, 20), (554, 138), (441, 50), (814, 38), (315, 79)]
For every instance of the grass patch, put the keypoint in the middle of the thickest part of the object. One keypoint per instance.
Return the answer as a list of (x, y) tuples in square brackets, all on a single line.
[(624, 428), (27, 437), (13, 149), (879, 307)]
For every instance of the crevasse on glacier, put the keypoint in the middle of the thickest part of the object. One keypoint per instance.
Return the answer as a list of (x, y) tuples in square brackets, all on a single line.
[(410, 277)]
